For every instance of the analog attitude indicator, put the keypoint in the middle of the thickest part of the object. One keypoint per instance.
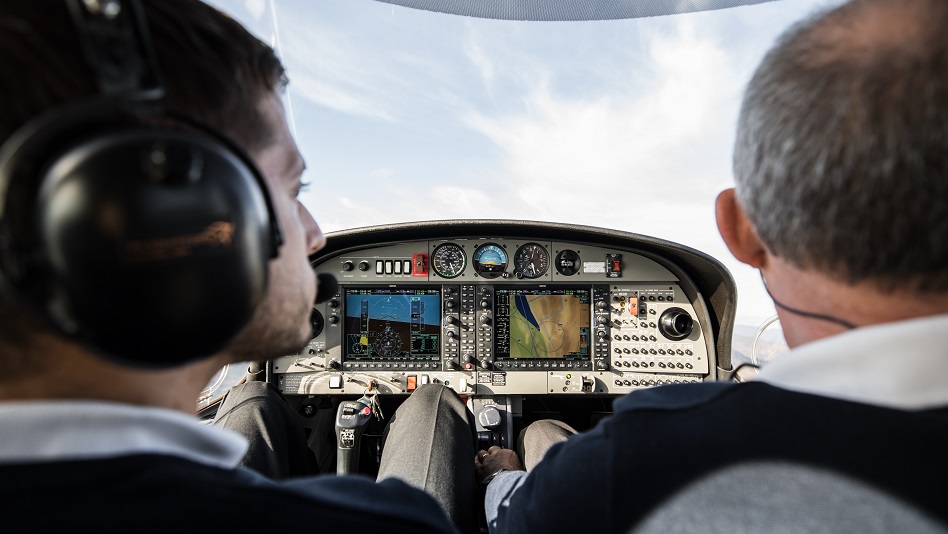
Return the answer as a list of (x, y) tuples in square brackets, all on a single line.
[(531, 261), (490, 260), (448, 260)]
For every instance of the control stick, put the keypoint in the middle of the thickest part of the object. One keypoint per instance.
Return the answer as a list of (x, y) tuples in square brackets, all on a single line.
[(351, 419)]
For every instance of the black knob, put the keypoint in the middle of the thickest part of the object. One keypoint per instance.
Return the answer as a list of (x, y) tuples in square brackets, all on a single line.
[(333, 319), (347, 265), (363, 266), (490, 417), (333, 364), (450, 320), (485, 319), (675, 324)]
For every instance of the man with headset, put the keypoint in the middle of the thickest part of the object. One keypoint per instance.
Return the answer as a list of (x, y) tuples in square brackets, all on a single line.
[(100, 359), (841, 202)]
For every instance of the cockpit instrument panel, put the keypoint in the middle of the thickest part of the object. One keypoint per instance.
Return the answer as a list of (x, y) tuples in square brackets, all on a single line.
[(521, 312)]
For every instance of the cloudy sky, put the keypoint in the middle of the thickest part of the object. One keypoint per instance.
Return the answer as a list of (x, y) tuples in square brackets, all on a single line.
[(406, 115)]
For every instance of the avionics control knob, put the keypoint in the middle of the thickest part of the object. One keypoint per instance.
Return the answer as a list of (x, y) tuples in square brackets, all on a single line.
[(363, 265), (485, 363), (489, 417), (347, 265), (484, 319), (450, 320), (334, 364), (675, 324)]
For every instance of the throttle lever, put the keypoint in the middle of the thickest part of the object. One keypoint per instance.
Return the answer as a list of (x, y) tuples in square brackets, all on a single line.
[(351, 419)]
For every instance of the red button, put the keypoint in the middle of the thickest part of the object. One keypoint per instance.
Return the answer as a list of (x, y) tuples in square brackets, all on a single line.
[(366, 410)]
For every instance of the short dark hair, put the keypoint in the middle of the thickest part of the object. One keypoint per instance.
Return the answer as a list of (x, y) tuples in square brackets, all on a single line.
[(841, 157), (213, 69)]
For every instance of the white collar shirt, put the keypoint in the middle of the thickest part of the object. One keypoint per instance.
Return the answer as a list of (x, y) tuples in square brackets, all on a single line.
[(45, 431), (902, 365)]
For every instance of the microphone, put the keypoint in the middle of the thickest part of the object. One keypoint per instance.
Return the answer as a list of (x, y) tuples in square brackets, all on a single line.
[(328, 286)]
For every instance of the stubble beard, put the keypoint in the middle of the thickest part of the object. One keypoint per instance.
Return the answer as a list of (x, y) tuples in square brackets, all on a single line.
[(268, 337)]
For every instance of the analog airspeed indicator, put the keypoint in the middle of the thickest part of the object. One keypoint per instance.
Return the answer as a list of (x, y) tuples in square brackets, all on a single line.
[(448, 260), (531, 261)]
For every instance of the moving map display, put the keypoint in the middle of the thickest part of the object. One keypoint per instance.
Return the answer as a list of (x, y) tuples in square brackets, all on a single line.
[(542, 323), (392, 324)]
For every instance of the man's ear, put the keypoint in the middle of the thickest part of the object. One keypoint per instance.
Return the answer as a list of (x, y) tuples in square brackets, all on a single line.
[(737, 231)]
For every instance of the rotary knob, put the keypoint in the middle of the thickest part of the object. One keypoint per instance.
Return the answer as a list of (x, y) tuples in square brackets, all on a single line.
[(490, 417), (675, 324)]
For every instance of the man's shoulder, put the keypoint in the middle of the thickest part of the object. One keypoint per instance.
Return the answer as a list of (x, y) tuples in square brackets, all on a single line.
[(678, 396), (146, 488)]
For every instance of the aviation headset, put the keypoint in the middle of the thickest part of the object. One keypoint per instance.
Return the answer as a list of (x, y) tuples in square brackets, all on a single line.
[(137, 231)]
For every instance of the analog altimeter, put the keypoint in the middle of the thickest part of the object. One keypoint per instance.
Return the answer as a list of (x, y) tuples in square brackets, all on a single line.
[(531, 261)]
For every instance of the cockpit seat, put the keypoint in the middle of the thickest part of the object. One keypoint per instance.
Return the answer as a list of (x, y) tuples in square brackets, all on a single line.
[(781, 498)]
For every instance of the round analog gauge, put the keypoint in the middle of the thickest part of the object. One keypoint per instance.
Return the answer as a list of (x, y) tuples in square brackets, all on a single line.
[(317, 322), (531, 261), (567, 263), (490, 260), (448, 260)]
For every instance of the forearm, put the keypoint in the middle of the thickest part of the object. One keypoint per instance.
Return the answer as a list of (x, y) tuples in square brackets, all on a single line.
[(498, 494)]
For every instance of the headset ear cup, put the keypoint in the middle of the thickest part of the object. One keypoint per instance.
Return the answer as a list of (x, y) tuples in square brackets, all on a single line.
[(150, 245), (159, 240)]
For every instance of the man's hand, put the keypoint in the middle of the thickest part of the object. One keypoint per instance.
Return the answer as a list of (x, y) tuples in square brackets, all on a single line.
[(494, 459)]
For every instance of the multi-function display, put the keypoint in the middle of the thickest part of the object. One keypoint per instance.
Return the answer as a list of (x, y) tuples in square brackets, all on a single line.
[(542, 323)]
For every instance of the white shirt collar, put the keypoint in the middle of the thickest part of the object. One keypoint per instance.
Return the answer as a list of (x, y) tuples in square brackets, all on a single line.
[(42, 431), (898, 365)]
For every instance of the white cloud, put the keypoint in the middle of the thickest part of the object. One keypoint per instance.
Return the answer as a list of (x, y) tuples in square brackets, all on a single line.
[(622, 151)]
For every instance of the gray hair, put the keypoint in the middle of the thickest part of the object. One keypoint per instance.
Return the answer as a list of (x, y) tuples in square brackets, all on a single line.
[(841, 156)]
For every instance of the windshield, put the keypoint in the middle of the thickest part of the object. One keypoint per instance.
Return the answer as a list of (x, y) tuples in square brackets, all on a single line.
[(411, 115)]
